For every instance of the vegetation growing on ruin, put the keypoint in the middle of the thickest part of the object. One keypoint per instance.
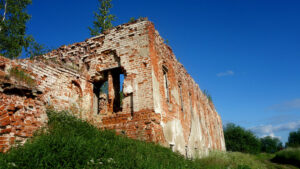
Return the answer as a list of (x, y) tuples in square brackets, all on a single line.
[(132, 20), (21, 76), (103, 18), (69, 142), (205, 92)]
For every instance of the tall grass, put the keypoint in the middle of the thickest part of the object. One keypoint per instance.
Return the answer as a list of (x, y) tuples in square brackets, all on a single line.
[(206, 93), (69, 142), (231, 160)]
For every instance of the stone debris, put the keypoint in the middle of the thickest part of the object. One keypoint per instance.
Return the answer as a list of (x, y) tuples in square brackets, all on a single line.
[(127, 80)]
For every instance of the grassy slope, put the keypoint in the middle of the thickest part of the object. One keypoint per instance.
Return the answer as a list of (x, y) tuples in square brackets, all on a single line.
[(72, 143)]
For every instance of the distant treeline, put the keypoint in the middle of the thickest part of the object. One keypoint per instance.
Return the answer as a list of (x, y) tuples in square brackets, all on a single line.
[(239, 139)]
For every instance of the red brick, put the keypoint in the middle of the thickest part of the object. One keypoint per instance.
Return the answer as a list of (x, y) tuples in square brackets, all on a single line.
[(4, 142), (2, 108), (2, 138), (12, 140), (11, 107), (4, 131), (4, 116), (3, 112), (4, 121)]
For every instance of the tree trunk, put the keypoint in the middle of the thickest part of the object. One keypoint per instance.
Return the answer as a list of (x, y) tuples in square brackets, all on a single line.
[(3, 19)]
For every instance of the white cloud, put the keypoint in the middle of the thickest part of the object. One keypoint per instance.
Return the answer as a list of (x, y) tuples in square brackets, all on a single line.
[(291, 105), (271, 135), (269, 130), (227, 73)]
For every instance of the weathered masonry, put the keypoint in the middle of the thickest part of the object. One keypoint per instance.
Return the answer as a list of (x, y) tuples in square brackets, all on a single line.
[(126, 79)]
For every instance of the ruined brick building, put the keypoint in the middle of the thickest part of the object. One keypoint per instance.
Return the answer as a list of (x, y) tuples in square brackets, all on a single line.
[(159, 100)]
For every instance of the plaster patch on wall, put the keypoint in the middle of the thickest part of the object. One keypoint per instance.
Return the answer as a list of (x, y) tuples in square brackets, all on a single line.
[(127, 89), (173, 133), (156, 94), (223, 146), (144, 52), (175, 94), (136, 91), (196, 146), (65, 98)]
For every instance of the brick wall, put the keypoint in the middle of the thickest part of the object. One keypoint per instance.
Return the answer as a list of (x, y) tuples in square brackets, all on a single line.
[(21, 110), (190, 122), (162, 103)]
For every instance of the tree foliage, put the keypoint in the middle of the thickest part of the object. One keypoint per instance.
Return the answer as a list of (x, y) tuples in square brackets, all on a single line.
[(239, 139), (35, 49), (294, 139), (103, 18), (270, 144), (13, 38)]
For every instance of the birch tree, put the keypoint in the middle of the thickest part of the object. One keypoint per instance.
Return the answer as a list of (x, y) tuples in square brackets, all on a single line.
[(13, 38)]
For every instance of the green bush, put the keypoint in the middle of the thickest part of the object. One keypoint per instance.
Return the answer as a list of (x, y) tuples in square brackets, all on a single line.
[(294, 139), (241, 140), (132, 20), (288, 156)]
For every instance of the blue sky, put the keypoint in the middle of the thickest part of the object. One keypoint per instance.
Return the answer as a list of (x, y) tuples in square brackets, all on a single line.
[(246, 53)]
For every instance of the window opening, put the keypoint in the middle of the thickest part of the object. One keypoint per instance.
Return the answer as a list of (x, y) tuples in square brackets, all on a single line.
[(181, 99), (121, 90), (118, 79), (2, 67), (166, 83), (191, 104), (108, 93)]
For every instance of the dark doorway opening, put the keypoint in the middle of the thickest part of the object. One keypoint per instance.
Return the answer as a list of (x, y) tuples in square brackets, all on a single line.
[(108, 92), (118, 79)]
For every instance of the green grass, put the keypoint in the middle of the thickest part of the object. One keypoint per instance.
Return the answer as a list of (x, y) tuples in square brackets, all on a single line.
[(231, 160), (68, 142), (288, 156), (21, 75), (205, 92)]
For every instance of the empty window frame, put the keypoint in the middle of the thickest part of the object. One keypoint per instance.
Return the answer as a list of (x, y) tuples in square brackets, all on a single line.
[(166, 83), (191, 102), (117, 82), (181, 99)]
